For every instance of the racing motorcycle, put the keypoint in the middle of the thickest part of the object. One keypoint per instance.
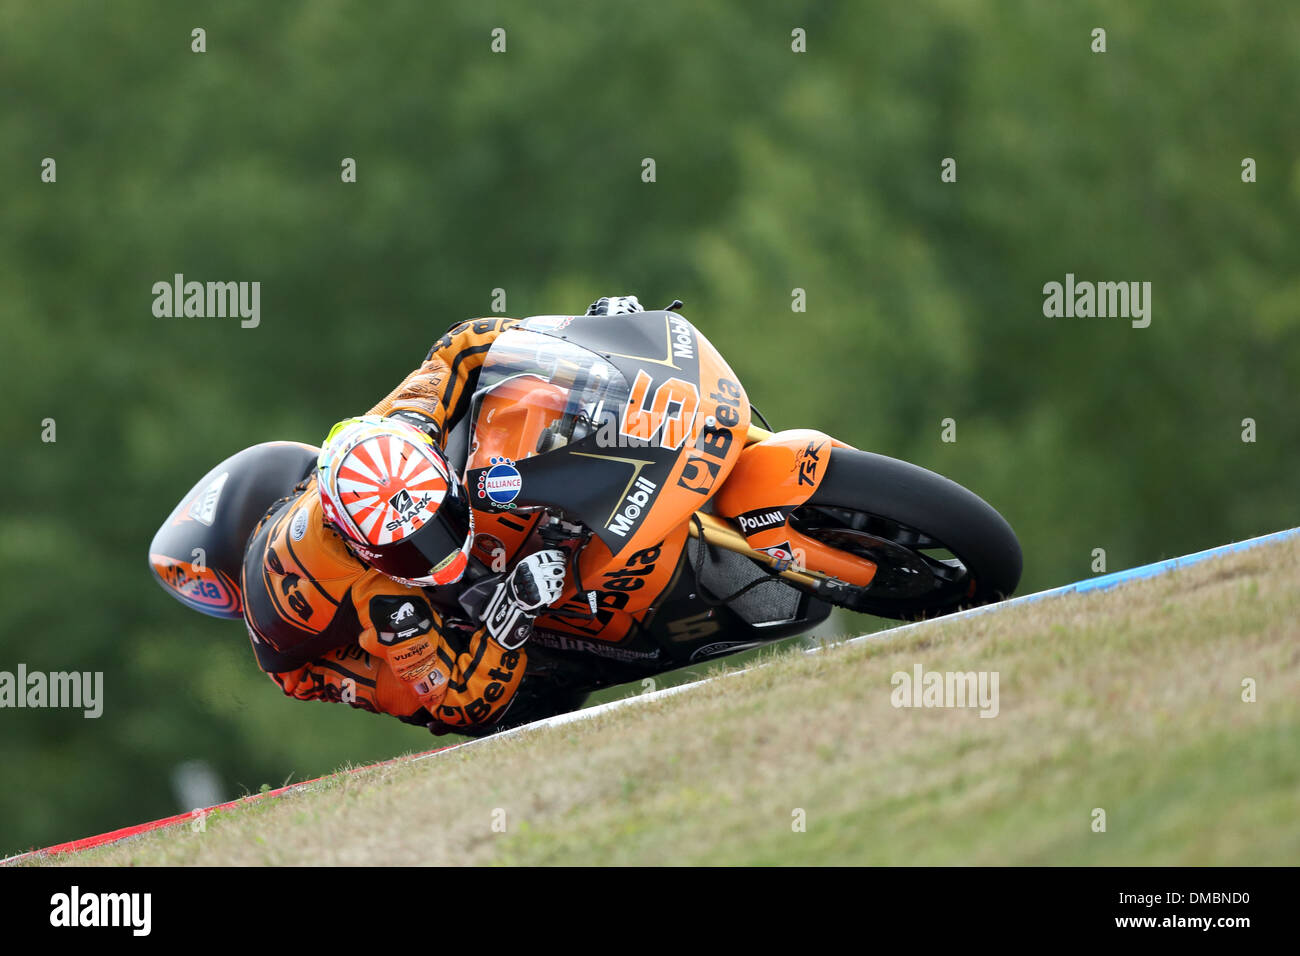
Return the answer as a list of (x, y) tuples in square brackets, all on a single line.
[(692, 533)]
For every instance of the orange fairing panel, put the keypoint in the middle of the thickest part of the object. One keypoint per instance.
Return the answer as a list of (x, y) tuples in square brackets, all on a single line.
[(202, 588), (500, 538), (711, 449), (625, 588), (514, 416), (781, 471), (771, 479)]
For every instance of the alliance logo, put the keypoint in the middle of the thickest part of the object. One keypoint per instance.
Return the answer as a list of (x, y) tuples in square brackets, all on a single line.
[(501, 482)]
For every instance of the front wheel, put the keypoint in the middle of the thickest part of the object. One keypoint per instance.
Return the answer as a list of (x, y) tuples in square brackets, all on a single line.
[(937, 546)]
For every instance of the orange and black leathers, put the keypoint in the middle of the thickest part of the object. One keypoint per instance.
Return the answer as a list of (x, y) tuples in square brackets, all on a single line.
[(325, 626), (439, 391)]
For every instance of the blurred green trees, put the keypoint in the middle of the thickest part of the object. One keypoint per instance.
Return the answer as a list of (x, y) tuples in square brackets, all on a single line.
[(522, 171)]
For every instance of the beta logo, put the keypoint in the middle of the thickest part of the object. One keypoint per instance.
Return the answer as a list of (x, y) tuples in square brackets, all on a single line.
[(501, 482)]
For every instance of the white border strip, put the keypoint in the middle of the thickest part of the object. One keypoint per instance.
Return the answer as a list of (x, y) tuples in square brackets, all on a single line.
[(1103, 582)]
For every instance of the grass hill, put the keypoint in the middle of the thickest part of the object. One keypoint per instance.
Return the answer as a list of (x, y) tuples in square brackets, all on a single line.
[(1128, 700)]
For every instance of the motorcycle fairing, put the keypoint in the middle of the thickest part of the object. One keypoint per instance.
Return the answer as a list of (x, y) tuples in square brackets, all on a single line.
[(771, 479), (622, 588), (198, 552), (674, 628), (627, 424)]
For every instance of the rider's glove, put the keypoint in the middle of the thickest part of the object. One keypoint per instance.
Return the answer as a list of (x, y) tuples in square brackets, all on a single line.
[(535, 583), (615, 305)]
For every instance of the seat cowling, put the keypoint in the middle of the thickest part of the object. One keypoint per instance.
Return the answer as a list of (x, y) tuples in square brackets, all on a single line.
[(197, 553)]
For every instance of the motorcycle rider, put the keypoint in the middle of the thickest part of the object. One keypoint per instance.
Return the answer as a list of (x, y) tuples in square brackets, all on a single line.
[(350, 582)]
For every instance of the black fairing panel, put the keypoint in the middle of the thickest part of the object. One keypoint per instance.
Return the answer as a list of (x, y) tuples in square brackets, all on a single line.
[(632, 343), (593, 489)]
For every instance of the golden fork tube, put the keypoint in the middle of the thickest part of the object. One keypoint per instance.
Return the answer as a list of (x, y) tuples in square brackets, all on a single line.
[(724, 534), (719, 532)]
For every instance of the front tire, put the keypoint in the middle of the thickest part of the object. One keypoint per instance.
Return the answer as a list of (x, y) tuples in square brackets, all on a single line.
[(938, 547)]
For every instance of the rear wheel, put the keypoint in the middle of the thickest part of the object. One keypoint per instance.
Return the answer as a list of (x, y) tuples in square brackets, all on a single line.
[(937, 546)]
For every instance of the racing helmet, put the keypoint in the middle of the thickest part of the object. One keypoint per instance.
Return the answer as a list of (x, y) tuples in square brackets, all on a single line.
[(389, 491)]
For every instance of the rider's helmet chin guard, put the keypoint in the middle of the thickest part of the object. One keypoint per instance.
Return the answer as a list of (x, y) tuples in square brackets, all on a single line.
[(388, 490)]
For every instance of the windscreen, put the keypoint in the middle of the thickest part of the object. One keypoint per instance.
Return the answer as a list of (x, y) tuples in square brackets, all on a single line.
[(537, 393)]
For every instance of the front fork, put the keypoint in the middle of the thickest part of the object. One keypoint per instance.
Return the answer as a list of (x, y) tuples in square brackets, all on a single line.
[(724, 532)]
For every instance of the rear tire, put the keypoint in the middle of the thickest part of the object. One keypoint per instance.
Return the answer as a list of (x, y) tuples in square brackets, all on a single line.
[(938, 546)]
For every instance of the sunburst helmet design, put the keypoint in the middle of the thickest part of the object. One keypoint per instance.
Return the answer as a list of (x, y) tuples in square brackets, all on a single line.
[(386, 487)]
